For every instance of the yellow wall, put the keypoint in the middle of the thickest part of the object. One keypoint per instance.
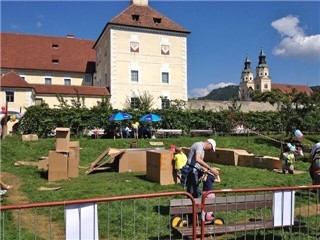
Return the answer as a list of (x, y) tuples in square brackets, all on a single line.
[(22, 99), (149, 62), (38, 77)]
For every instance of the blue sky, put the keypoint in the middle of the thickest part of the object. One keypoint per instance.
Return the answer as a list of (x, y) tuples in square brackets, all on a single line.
[(222, 34)]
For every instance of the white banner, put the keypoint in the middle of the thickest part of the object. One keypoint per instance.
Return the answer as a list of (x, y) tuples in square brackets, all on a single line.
[(283, 208), (81, 221)]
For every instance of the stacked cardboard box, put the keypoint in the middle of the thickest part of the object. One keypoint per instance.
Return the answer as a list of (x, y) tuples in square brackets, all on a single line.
[(267, 162), (30, 137), (63, 162), (239, 157), (160, 166), (133, 160)]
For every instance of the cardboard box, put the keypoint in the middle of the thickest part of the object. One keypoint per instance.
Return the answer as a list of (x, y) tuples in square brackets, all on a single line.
[(62, 139), (223, 156), (246, 160), (133, 160), (76, 146), (277, 163), (73, 163), (29, 137), (26, 137), (34, 137), (43, 164), (160, 166), (58, 166), (263, 162)]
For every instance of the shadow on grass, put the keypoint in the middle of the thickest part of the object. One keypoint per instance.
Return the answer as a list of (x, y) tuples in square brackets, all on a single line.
[(44, 175)]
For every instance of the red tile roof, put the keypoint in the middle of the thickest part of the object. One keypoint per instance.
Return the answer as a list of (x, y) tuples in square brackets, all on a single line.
[(22, 51), (287, 88), (147, 18), (12, 79), (70, 90)]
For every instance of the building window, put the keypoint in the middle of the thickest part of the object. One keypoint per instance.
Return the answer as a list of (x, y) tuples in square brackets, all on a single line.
[(265, 86), (67, 81), (134, 76), (10, 96), (165, 49), (156, 20), (258, 87), (135, 103), (134, 47), (55, 45), (165, 77), (55, 61), (135, 17), (48, 81), (165, 103), (88, 78)]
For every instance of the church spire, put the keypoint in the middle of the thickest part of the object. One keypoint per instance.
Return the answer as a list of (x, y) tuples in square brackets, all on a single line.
[(247, 63), (262, 57)]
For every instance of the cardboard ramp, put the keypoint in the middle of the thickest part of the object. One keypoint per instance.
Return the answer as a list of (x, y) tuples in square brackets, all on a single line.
[(104, 161)]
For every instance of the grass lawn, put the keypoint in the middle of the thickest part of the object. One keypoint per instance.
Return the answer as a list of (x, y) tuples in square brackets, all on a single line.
[(102, 184)]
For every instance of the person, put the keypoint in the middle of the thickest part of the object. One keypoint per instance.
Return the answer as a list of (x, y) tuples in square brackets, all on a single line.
[(314, 159), (116, 132), (126, 131), (288, 158), (315, 148), (135, 128), (4, 188), (208, 184), (195, 162), (180, 160)]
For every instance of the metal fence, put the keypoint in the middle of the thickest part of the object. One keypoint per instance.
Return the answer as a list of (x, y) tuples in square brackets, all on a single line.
[(264, 213)]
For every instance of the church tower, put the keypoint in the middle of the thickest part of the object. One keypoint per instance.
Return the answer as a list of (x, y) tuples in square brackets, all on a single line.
[(246, 82), (262, 81)]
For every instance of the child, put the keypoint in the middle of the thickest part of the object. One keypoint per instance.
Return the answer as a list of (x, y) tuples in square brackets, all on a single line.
[(180, 160), (208, 181), (288, 159)]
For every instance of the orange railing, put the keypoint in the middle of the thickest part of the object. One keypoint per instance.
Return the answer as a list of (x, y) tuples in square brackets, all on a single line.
[(246, 213)]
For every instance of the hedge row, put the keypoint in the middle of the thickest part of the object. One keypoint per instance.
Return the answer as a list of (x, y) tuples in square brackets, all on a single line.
[(42, 120)]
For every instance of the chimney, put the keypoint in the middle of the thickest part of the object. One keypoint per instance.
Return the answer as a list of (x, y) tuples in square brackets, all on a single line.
[(140, 2), (70, 36)]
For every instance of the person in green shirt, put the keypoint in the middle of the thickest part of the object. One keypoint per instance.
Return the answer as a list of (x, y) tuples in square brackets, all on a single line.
[(288, 159)]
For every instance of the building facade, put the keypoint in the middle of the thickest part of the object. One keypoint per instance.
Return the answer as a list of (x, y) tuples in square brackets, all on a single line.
[(249, 83), (142, 51), (262, 80)]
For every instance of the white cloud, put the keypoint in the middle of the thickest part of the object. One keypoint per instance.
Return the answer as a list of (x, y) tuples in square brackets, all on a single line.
[(294, 42), (14, 26), (39, 24), (202, 92)]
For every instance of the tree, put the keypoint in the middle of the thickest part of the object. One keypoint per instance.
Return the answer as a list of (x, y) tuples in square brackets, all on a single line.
[(143, 102)]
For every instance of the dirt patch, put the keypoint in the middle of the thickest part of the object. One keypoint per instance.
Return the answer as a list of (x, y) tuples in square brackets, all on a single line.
[(36, 223)]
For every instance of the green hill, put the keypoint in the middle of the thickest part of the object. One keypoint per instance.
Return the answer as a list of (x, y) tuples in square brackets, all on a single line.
[(222, 94), (230, 92)]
